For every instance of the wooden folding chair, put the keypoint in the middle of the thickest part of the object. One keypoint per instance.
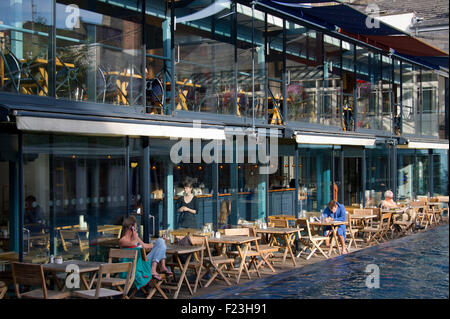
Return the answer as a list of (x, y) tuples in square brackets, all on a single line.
[(378, 233), (402, 227), (3, 289), (115, 231), (215, 264), (107, 270), (73, 244), (32, 275), (154, 285), (266, 252), (252, 253), (444, 201), (351, 231), (419, 208), (311, 241), (117, 282)]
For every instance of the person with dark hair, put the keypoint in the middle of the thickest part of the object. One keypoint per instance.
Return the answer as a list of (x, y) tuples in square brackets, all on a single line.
[(157, 255), (335, 212), (33, 212), (187, 207)]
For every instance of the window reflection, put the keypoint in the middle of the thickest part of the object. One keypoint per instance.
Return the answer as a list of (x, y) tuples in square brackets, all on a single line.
[(99, 56)]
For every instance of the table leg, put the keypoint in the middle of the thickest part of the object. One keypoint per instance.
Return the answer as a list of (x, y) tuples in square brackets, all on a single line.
[(243, 255), (198, 272), (337, 240), (288, 240), (330, 250), (55, 278), (183, 275), (87, 285)]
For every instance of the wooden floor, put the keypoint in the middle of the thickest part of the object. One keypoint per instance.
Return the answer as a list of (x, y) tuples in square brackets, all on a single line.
[(279, 267)]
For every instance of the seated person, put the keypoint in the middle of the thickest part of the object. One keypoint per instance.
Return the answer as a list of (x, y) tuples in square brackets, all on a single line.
[(34, 215), (144, 270), (388, 201), (335, 212)]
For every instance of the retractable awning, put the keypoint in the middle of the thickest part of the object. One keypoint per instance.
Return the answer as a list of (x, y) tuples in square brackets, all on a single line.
[(437, 145), (115, 128), (321, 139)]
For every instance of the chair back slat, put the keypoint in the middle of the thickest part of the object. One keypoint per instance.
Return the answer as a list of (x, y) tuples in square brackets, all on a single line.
[(236, 232), (363, 212), (121, 253)]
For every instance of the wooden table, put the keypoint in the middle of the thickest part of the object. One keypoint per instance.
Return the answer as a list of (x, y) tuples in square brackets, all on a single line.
[(363, 218), (334, 225), (242, 243), (85, 267), (288, 236), (177, 250)]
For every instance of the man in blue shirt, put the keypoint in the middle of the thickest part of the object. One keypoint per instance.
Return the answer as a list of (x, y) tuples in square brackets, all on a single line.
[(335, 212)]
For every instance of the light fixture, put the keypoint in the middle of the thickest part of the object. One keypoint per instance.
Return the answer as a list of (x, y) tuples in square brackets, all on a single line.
[(134, 164), (178, 167), (153, 167), (73, 156), (109, 156)]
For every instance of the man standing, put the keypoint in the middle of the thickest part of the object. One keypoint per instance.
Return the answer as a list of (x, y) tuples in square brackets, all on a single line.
[(336, 212)]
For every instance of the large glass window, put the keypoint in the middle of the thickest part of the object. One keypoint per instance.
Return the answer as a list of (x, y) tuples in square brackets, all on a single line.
[(440, 172), (348, 86), (377, 174), (410, 89), (250, 61), (304, 65), (332, 88), (274, 59), (99, 56), (157, 60), (367, 77), (282, 182), (396, 91), (24, 46), (78, 184), (386, 93), (315, 176), (430, 102), (204, 62)]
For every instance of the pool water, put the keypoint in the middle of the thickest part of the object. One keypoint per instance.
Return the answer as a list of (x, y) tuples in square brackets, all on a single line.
[(414, 266)]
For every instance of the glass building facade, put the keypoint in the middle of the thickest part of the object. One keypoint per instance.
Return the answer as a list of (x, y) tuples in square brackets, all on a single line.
[(239, 70)]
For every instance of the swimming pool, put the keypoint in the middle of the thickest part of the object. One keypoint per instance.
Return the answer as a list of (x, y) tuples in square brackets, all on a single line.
[(415, 266)]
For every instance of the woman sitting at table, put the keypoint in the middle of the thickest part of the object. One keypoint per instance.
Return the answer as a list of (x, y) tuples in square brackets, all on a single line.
[(187, 207), (144, 270), (335, 212)]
